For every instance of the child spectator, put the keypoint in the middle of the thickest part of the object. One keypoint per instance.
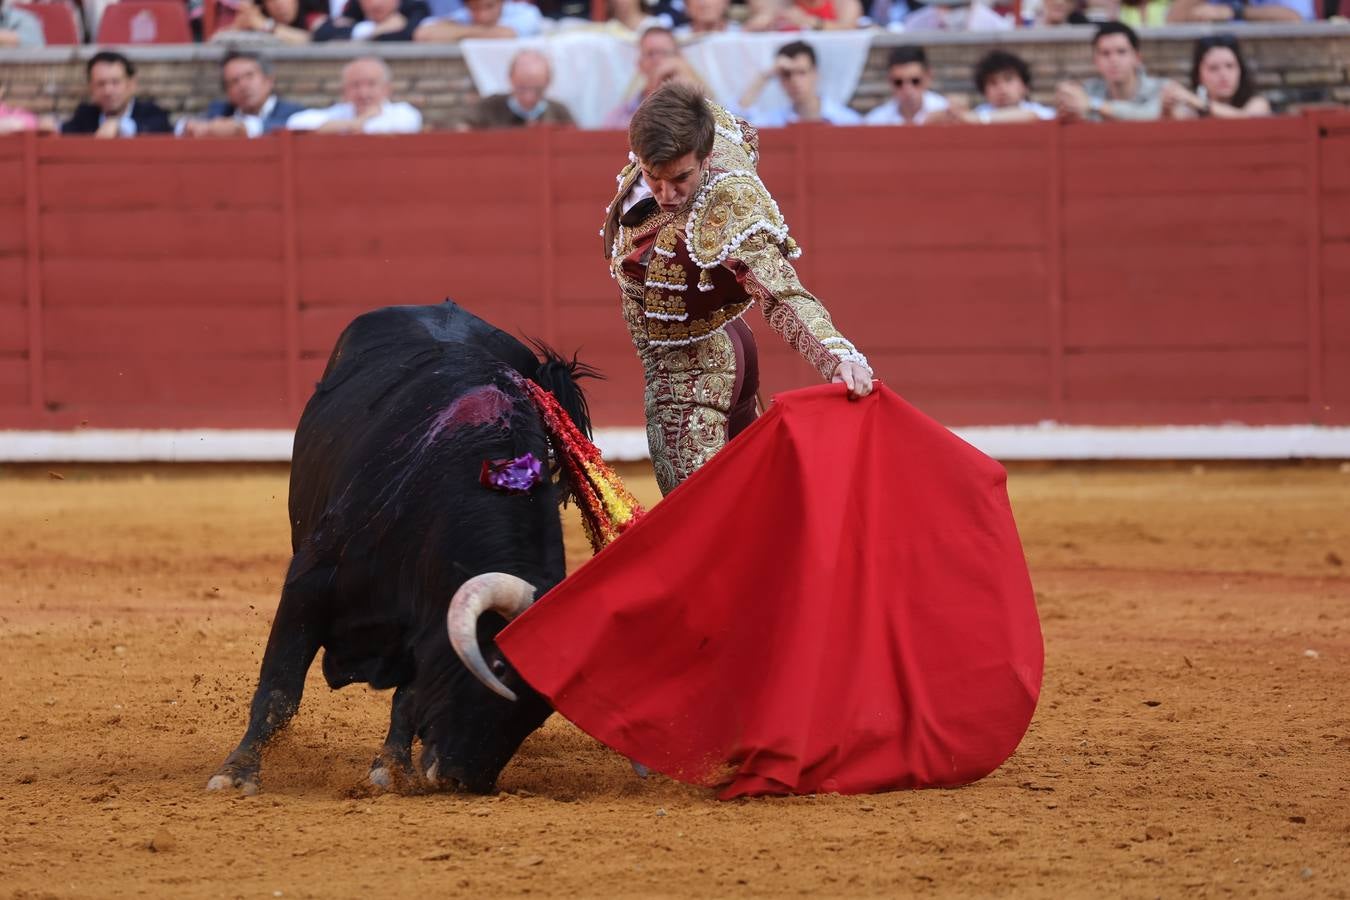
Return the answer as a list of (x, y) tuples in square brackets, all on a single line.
[(1221, 84)]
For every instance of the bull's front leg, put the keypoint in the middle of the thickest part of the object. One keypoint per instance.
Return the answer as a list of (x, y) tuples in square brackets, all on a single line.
[(393, 767), (291, 646)]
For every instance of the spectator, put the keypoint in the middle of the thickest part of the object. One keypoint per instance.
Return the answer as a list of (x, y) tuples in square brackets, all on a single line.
[(113, 109), (1143, 13), (1004, 80), (366, 108), (803, 15), (1123, 92), (484, 19), (1221, 84), (19, 28), (1060, 12), (374, 20), (526, 105), (912, 101), (659, 61), (1236, 10), (563, 10), (14, 118), (638, 15), (286, 21), (251, 106), (795, 68), (707, 17), (956, 15)]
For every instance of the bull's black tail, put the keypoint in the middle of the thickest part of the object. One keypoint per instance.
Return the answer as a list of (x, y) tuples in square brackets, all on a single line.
[(560, 376)]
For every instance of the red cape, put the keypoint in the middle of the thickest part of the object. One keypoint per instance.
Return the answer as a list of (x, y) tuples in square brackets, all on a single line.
[(838, 601)]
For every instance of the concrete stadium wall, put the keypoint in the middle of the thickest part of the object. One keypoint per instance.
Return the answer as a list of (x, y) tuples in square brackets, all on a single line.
[(1295, 64), (1166, 273)]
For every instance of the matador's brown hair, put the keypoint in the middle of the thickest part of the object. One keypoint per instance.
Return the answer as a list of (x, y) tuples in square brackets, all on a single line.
[(673, 121)]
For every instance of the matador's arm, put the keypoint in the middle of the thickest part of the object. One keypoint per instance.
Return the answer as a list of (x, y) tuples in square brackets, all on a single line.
[(791, 310)]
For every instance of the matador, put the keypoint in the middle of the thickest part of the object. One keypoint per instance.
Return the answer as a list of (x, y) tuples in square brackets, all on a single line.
[(694, 239)]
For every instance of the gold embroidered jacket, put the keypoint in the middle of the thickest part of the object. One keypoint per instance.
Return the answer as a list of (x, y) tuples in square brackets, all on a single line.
[(694, 271)]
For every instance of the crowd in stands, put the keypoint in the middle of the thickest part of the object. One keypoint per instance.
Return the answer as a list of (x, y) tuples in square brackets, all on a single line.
[(304, 21), (1220, 83)]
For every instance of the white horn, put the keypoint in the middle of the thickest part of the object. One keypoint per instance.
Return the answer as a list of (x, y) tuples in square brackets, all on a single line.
[(497, 591)]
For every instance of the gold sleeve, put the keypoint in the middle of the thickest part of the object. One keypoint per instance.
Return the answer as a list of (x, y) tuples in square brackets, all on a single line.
[(790, 309)]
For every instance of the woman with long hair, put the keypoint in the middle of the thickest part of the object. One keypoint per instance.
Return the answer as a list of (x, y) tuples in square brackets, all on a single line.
[(1222, 85)]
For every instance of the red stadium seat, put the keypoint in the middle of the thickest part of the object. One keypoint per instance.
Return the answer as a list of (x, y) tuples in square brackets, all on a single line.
[(144, 22), (60, 22), (215, 16)]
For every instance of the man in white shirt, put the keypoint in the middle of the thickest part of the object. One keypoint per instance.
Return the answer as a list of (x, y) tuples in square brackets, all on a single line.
[(366, 108), (795, 68), (912, 102)]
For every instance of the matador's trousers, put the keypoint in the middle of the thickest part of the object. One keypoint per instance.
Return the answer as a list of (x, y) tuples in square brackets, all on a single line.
[(698, 396)]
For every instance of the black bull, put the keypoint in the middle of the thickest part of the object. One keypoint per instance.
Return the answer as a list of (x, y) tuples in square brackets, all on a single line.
[(388, 521)]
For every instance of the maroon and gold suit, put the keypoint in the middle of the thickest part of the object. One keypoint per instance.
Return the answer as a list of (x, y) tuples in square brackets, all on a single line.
[(687, 277)]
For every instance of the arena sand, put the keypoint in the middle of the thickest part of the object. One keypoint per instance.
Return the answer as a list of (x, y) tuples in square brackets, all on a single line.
[(1193, 737)]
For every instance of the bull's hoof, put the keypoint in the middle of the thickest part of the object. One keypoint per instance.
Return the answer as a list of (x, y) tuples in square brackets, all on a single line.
[(392, 771), (225, 781)]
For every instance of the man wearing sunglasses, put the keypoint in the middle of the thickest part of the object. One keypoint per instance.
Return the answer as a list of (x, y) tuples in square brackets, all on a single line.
[(912, 101)]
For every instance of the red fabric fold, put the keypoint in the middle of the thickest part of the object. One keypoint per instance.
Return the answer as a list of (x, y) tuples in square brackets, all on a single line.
[(838, 601)]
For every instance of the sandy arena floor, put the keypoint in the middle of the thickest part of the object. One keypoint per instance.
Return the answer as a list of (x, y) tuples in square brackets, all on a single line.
[(1193, 737)]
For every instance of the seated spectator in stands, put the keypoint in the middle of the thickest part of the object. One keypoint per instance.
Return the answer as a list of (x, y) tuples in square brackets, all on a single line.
[(374, 20), (1004, 80), (1236, 10), (113, 109), (366, 108), (251, 106), (795, 68), (659, 61), (1060, 12), (803, 15), (1143, 13), (19, 28), (912, 101), (1221, 84), (956, 15), (484, 19), (285, 21), (1123, 92), (639, 15), (707, 17), (13, 118), (526, 105), (560, 10)]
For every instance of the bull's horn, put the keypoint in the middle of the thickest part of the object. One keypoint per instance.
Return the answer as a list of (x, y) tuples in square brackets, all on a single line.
[(506, 594)]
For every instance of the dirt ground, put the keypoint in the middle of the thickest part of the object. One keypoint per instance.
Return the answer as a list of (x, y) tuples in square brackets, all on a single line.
[(1193, 736)]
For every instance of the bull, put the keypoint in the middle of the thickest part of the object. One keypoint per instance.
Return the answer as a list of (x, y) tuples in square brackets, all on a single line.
[(400, 555)]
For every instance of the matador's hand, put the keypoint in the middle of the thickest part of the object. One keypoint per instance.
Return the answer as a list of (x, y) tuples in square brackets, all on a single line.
[(854, 377)]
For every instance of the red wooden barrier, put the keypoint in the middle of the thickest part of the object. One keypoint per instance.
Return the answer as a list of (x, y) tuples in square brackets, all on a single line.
[(1160, 273)]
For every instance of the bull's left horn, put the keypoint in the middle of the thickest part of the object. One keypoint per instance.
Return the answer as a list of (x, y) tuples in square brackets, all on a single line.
[(506, 594)]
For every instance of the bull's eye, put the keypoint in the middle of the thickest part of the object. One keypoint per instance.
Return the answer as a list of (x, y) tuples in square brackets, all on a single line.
[(499, 666)]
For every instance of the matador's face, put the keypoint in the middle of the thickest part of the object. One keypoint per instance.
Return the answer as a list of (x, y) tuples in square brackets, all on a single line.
[(674, 184)]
